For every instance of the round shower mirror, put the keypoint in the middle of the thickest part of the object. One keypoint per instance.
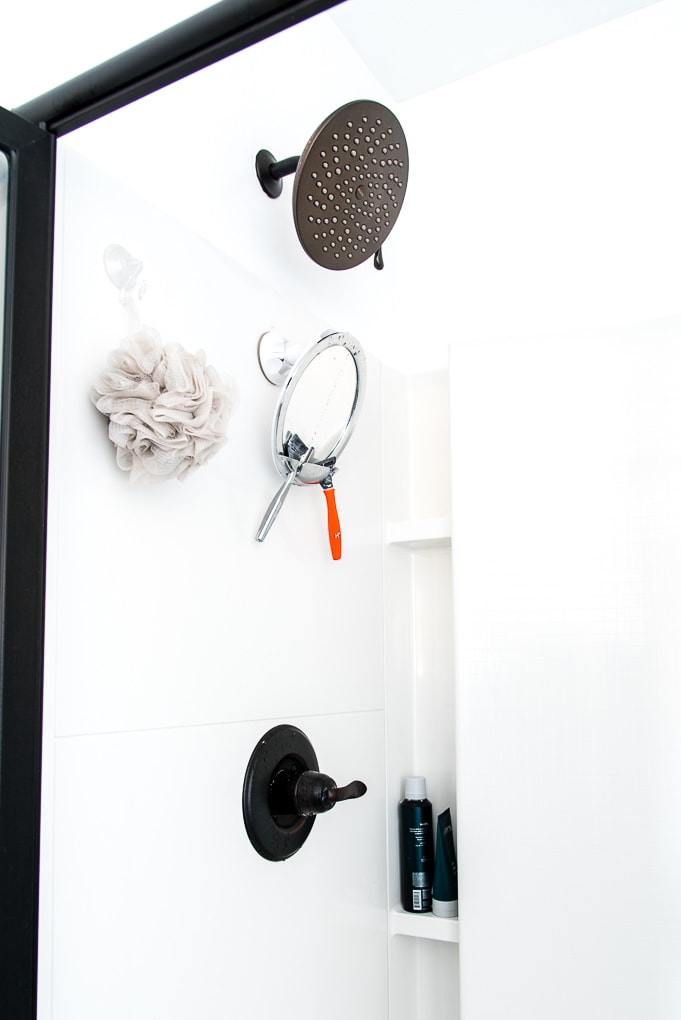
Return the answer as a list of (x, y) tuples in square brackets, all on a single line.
[(318, 406)]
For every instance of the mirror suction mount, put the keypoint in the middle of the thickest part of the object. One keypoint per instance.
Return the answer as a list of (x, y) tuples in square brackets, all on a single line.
[(277, 357)]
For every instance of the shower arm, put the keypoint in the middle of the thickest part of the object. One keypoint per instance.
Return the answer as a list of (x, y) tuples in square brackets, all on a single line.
[(284, 167)]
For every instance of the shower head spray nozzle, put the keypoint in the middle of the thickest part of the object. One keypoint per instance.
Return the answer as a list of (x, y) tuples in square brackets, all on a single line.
[(349, 184)]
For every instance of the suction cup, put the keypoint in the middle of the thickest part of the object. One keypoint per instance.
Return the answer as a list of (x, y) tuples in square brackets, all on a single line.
[(122, 269)]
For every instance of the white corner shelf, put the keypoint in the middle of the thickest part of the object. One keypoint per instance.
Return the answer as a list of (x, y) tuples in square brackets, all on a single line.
[(424, 926), (431, 532), (419, 666)]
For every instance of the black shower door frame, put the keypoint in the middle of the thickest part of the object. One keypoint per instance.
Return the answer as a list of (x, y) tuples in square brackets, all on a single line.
[(28, 137), (24, 419)]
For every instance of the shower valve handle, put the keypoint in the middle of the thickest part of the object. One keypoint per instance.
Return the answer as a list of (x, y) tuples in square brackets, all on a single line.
[(283, 792), (352, 791), (315, 793)]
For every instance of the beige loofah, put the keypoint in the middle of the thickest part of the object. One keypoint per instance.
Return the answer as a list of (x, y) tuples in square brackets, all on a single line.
[(168, 411)]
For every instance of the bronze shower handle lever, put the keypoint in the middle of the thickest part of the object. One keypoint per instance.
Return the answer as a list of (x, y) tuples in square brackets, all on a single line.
[(316, 792)]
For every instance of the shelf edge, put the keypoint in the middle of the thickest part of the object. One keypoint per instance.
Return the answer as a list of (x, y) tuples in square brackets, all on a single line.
[(424, 926), (422, 533)]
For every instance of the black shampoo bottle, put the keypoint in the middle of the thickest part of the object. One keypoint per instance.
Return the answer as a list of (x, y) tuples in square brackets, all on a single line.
[(416, 847)]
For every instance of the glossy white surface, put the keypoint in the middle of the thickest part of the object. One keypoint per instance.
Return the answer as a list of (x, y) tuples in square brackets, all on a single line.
[(566, 511), (162, 908), (174, 641), (560, 207), (416, 50), (165, 583)]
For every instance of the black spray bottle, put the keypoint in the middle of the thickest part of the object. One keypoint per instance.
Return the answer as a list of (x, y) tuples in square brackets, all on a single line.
[(416, 847)]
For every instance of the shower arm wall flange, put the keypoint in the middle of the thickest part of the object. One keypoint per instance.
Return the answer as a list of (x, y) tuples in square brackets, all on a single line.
[(270, 171)]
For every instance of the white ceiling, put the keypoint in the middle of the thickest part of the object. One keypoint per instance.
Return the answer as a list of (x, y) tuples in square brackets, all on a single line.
[(410, 47), (413, 48)]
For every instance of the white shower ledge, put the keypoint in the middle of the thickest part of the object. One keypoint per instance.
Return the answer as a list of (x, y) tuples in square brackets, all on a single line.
[(425, 533), (424, 926)]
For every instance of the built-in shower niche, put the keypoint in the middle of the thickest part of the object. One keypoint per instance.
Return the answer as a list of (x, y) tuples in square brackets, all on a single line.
[(419, 665)]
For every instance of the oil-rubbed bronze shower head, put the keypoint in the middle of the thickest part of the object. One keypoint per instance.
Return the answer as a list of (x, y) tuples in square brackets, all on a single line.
[(349, 184)]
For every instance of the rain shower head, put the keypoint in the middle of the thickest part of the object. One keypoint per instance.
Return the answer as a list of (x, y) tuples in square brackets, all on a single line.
[(349, 184)]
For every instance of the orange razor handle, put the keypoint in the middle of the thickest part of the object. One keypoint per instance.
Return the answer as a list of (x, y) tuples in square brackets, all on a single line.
[(334, 523)]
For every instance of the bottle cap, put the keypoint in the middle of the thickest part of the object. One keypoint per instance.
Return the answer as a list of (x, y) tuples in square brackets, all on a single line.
[(445, 908), (415, 788)]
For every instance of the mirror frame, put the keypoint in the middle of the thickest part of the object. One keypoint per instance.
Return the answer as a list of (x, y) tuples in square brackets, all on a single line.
[(313, 472)]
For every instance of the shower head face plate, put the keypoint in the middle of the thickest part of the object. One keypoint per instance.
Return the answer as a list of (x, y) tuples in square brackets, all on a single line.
[(350, 184)]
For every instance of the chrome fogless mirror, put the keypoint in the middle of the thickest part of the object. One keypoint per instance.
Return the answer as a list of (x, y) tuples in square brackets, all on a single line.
[(314, 418)]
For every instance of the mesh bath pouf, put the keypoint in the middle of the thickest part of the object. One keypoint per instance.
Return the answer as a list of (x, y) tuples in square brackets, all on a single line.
[(168, 410)]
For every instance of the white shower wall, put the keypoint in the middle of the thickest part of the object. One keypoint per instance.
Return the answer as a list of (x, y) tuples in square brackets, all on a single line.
[(174, 641), (543, 196), (566, 542)]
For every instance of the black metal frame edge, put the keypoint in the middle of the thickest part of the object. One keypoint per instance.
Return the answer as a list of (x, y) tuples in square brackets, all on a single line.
[(23, 520), (221, 30)]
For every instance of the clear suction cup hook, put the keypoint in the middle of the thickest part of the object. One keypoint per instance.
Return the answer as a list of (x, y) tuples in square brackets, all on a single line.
[(123, 270)]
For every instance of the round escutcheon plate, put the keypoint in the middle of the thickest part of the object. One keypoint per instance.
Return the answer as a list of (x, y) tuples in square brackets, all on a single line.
[(282, 754)]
